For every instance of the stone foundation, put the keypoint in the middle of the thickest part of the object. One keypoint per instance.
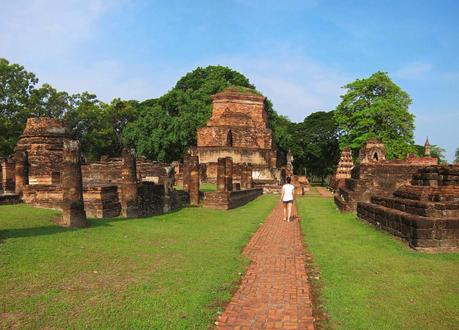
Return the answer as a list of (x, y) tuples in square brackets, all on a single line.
[(425, 213), (231, 199)]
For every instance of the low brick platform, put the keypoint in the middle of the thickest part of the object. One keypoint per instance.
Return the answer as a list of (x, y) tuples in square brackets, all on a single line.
[(274, 293), (231, 199), (425, 213)]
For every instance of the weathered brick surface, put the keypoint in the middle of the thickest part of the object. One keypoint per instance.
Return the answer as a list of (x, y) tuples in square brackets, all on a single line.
[(192, 165), (230, 199), (129, 189), (43, 140), (73, 213), (375, 175), (274, 292), (380, 179), (8, 175), (238, 129), (108, 170), (343, 170), (101, 201), (21, 171), (426, 214)]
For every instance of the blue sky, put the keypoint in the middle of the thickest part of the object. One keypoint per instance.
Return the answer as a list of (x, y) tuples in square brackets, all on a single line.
[(298, 53)]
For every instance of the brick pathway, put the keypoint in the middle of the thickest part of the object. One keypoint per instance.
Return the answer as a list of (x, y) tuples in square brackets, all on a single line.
[(274, 293)]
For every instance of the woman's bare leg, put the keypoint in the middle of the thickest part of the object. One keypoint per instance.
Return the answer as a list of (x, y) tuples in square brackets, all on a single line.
[(289, 206), (285, 211)]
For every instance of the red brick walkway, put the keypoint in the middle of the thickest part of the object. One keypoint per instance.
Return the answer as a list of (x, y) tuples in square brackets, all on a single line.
[(274, 293)]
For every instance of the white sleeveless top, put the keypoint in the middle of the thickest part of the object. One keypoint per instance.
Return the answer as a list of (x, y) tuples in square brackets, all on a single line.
[(288, 192)]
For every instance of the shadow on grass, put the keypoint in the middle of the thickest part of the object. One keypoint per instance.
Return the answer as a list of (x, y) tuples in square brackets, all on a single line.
[(55, 229)]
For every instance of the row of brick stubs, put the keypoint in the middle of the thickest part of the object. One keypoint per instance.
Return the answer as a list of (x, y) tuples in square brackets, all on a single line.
[(225, 175)]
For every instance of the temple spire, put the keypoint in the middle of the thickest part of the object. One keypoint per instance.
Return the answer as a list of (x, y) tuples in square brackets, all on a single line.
[(427, 148)]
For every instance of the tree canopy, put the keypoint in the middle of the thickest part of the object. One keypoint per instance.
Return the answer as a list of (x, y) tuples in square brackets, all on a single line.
[(173, 119), (376, 107), (20, 99), (456, 156), (315, 146)]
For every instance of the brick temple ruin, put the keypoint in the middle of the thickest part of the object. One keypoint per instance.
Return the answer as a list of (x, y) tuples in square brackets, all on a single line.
[(111, 186), (238, 129), (425, 212), (374, 175)]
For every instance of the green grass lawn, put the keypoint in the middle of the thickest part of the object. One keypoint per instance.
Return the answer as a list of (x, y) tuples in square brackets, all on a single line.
[(172, 271), (206, 187), (370, 280), (203, 186)]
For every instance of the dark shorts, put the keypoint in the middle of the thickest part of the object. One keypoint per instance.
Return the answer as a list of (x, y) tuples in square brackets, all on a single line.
[(287, 202)]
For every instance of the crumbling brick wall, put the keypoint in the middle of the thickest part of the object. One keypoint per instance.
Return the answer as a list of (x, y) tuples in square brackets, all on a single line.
[(424, 212)]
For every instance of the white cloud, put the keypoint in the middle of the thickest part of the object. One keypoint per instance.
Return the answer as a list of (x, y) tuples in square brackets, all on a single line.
[(414, 70)]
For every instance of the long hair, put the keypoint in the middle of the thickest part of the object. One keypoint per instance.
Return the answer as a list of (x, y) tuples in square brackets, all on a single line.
[(289, 179)]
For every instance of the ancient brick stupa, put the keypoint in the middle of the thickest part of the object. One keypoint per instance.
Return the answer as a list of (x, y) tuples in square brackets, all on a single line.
[(344, 168), (238, 129), (43, 141)]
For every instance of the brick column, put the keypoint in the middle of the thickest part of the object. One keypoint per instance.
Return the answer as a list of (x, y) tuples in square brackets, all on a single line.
[(229, 173), (72, 186), (168, 188), (8, 175), (21, 174), (129, 207), (193, 187), (221, 181), (244, 176), (249, 176), (186, 174)]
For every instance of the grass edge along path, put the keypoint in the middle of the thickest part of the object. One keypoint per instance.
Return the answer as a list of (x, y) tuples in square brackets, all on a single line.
[(371, 280), (173, 271)]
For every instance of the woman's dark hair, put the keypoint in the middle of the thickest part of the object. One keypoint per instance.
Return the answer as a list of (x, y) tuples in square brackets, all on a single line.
[(289, 179)]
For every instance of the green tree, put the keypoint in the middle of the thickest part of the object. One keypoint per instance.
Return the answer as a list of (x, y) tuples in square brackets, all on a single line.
[(99, 126), (376, 107), (20, 99), (315, 146), (171, 121), (456, 156), (16, 85)]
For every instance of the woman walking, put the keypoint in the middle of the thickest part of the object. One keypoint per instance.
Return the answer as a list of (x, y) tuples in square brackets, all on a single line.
[(287, 198)]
